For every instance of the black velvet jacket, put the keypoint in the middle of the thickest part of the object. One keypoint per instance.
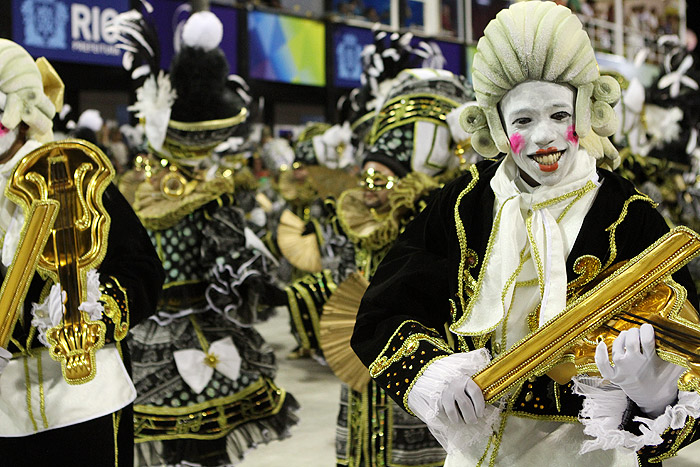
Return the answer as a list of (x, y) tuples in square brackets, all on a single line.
[(414, 293)]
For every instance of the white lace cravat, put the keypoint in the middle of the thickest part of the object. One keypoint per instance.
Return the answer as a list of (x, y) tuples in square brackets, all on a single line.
[(532, 235)]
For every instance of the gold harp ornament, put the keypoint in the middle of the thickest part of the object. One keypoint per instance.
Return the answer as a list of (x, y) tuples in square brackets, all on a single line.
[(73, 173), (640, 290)]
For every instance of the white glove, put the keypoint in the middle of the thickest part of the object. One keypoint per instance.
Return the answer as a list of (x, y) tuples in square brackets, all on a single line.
[(652, 383), (462, 401), (5, 357)]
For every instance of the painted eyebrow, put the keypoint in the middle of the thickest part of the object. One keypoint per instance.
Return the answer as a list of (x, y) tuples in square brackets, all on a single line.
[(556, 105), (562, 105)]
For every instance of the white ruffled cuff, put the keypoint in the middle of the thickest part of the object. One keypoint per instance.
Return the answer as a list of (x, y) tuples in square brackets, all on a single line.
[(426, 393), (49, 313), (91, 305), (604, 407)]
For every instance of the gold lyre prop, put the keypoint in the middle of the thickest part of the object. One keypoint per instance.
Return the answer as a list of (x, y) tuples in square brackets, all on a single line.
[(72, 174), (19, 275), (598, 312)]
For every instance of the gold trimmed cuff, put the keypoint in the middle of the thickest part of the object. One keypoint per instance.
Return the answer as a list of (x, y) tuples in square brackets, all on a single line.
[(409, 351)]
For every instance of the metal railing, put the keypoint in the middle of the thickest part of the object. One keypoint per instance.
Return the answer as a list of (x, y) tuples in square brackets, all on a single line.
[(604, 37)]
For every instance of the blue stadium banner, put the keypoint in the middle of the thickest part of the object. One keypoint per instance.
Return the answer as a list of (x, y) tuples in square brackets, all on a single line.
[(68, 30), (348, 43)]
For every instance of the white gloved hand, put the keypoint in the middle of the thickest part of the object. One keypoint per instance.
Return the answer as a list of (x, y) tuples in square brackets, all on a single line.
[(5, 357), (652, 383), (462, 401)]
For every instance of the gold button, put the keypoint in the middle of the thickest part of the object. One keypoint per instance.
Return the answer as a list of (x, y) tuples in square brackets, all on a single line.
[(528, 396)]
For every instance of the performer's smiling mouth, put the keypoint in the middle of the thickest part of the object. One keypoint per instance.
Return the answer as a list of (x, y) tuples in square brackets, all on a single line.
[(548, 159)]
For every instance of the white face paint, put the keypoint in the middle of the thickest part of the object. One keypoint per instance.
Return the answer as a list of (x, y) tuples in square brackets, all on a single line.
[(539, 122), (7, 137)]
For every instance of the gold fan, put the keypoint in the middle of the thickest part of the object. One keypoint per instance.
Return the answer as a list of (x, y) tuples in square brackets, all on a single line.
[(300, 250), (330, 182), (337, 324)]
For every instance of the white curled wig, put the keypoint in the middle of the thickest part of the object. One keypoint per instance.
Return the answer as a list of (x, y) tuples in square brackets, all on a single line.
[(540, 41), (30, 91)]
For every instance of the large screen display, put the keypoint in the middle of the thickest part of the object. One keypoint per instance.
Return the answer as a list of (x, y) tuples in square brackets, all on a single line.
[(68, 30), (286, 49)]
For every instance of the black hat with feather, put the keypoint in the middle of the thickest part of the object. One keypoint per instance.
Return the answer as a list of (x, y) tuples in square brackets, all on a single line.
[(199, 105)]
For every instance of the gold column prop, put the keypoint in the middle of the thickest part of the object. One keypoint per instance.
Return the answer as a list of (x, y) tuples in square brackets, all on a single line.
[(36, 233), (541, 350)]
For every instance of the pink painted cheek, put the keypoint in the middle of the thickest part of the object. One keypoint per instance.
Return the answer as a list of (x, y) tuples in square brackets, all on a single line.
[(571, 135), (3, 130), (517, 142)]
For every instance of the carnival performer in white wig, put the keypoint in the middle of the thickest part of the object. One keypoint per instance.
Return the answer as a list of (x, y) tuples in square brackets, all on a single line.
[(499, 252)]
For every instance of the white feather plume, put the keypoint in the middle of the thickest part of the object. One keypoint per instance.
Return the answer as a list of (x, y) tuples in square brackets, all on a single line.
[(153, 104)]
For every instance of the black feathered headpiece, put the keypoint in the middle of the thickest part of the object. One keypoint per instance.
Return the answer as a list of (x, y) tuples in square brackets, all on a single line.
[(199, 105)]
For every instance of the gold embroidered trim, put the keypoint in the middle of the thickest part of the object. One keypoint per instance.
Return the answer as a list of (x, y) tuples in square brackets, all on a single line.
[(116, 418), (42, 396), (182, 283), (113, 309), (516, 273), (28, 383), (210, 124), (498, 437), (530, 283), (203, 343), (185, 422), (410, 108), (365, 424), (577, 193), (408, 348), (613, 227), (487, 256), (546, 418), (687, 429), (396, 332), (462, 238), (536, 254)]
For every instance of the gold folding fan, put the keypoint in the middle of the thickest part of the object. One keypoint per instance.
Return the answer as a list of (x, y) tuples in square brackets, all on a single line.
[(337, 324), (300, 249), (330, 183)]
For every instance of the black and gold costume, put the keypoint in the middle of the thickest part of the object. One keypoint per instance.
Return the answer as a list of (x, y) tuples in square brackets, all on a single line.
[(414, 295), (213, 290)]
